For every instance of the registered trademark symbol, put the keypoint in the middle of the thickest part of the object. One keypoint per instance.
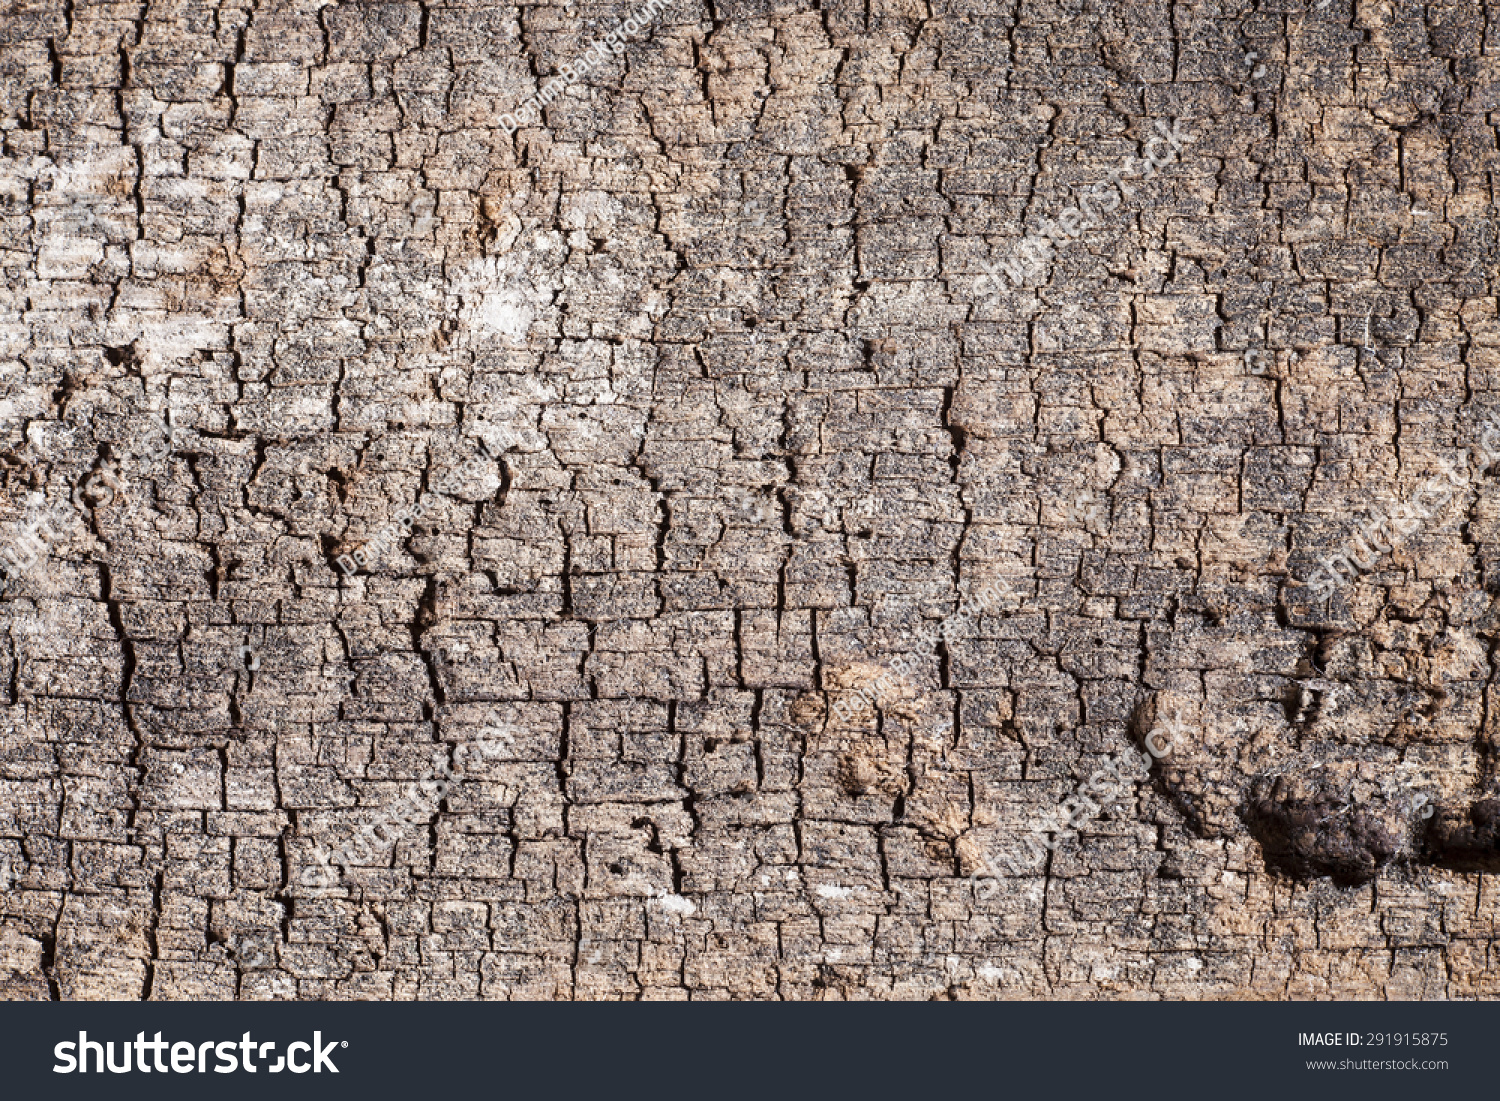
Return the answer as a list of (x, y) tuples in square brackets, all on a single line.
[(343, 1043)]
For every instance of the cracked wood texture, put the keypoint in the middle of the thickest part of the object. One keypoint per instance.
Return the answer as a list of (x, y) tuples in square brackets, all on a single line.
[(710, 412)]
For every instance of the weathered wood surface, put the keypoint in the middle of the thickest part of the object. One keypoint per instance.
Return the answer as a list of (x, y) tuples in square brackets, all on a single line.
[(725, 424)]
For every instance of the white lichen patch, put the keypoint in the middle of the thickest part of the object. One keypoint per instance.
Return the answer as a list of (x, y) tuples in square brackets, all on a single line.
[(677, 904), (496, 300)]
